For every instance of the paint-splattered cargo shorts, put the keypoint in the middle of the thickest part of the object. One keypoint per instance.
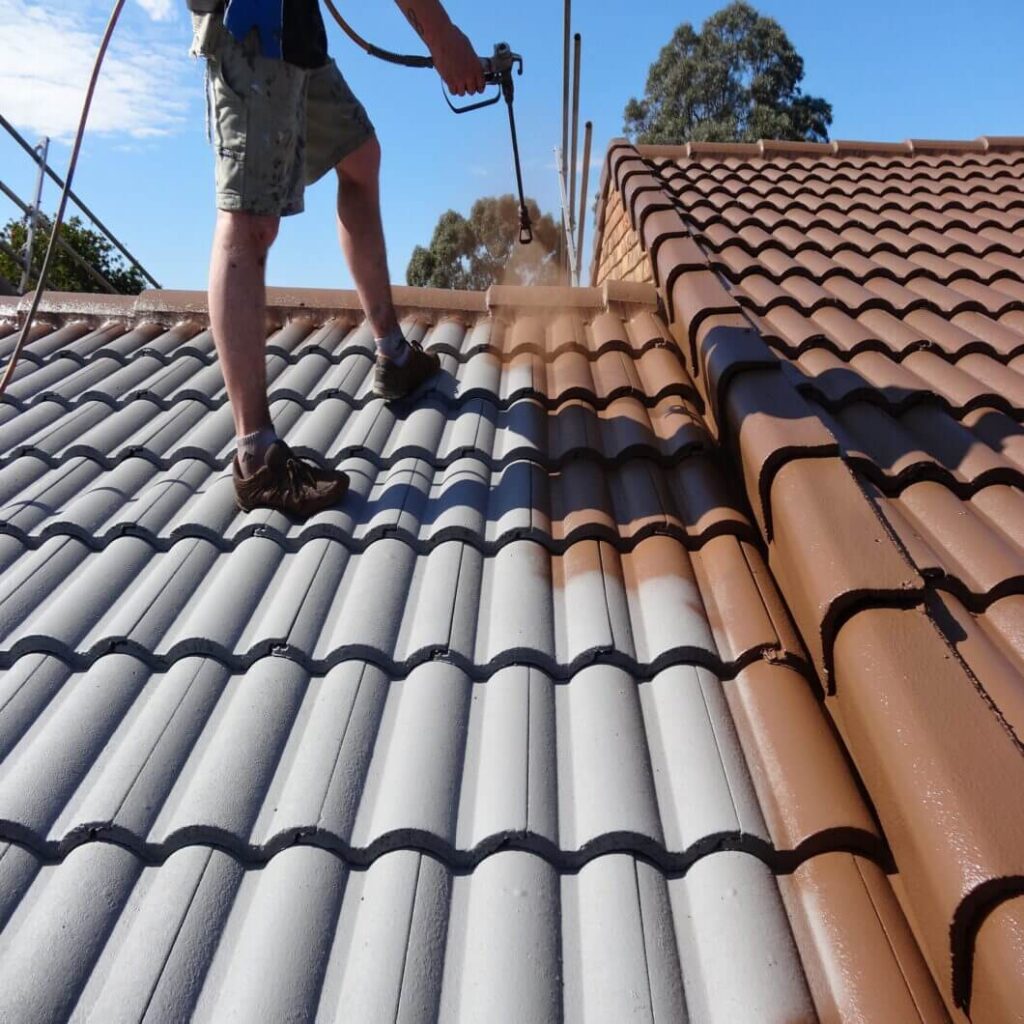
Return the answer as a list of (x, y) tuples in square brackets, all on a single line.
[(275, 128)]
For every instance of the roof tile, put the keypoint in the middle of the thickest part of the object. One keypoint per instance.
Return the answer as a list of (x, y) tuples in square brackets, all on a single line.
[(315, 699), (904, 727), (996, 984), (407, 670), (772, 425), (862, 960), (802, 781), (818, 553), (307, 936)]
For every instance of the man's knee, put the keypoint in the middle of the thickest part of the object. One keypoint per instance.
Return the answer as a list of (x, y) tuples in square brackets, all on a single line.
[(251, 232), (362, 166)]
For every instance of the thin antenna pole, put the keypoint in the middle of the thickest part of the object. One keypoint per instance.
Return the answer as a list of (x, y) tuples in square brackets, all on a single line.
[(587, 132), (565, 88), (577, 41), (41, 151), (563, 165)]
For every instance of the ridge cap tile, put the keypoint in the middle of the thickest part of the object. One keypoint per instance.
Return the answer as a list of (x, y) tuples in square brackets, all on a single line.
[(961, 853), (851, 942), (818, 554)]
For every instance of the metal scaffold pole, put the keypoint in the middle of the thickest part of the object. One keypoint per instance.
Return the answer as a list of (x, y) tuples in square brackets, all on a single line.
[(31, 217)]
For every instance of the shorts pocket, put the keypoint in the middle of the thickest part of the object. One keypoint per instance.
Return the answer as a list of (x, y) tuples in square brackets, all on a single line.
[(229, 108), (207, 31), (232, 72)]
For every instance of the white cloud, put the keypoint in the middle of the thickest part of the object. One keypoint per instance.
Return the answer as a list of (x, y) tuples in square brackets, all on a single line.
[(143, 89), (158, 10)]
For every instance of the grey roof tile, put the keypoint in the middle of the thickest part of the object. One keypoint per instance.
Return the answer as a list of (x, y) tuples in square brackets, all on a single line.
[(501, 735), (334, 429), (405, 939), (642, 609), (47, 339), (344, 335), (411, 498), (360, 762), (311, 373)]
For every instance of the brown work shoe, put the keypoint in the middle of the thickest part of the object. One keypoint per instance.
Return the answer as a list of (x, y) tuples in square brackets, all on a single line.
[(391, 381), (288, 484)]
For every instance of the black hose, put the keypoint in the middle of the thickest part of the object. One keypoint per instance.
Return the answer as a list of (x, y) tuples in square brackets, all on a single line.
[(59, 219), (405, 60)]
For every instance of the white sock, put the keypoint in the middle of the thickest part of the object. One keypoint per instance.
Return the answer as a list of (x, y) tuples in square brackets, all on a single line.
[(393, 346), (252, 449)]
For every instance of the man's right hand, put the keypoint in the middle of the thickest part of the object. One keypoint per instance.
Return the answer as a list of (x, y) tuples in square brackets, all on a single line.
[(454, 58), (457, 63)]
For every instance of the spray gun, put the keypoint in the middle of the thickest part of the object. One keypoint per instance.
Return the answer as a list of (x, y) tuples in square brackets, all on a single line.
[(498, 70)]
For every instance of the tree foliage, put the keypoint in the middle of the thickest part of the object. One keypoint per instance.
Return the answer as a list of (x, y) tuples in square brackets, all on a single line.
[(483, 249), (65, 274), (737, 80)]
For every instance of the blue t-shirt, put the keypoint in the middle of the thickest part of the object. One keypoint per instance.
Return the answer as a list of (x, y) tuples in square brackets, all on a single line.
[(291, 30)]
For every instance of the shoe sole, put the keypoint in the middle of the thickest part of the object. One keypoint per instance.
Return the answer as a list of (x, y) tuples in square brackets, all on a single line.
[(396, 396), (312, 510)]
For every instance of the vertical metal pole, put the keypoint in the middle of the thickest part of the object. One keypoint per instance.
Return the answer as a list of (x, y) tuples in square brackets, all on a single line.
[(577, 41), (563, 166), (41, 151), (567, 235), (565, 88), (588, 129)]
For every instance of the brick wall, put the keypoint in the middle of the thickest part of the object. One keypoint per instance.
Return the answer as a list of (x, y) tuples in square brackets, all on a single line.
[(621, 257)]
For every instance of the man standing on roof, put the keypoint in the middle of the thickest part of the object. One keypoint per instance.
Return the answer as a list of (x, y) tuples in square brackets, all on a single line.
[(281, 117)]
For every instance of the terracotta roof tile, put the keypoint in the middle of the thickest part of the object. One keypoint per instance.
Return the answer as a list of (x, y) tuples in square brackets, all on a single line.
[(862, 960), (987, 643), (1000, 950), (886, 281), (801, 780), (909, 729)]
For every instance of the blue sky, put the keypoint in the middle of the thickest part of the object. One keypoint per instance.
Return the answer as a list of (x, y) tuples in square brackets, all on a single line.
[(936, 69)]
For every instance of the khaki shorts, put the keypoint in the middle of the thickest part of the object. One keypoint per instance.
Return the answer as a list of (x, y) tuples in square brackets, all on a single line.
[(275, 128)]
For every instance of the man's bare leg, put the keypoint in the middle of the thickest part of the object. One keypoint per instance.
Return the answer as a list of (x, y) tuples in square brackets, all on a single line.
[(362, 235), (400, 369), (238, 316)]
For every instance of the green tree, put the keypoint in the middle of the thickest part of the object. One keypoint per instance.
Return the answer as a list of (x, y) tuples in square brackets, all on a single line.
[(737, 80), (65, 274), (484, 249)]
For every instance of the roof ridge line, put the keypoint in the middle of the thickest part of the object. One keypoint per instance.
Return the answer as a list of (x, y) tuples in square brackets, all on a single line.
[(837, 147), (622, 296)]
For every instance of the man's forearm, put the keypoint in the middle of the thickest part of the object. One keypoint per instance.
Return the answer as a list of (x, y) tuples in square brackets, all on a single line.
[(427, 17), (454, 57)]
